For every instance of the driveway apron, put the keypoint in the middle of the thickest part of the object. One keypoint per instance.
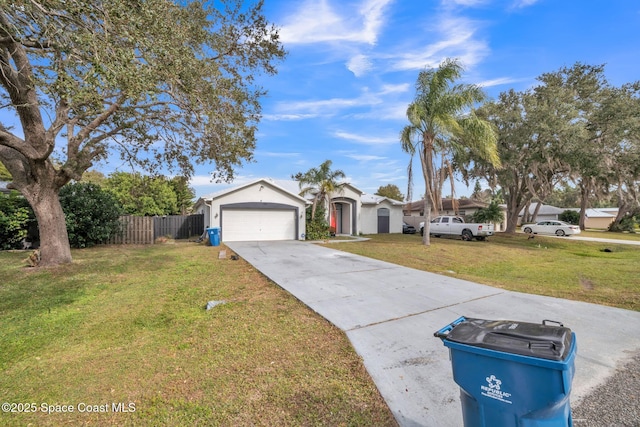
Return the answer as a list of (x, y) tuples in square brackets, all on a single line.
[(390, 313)]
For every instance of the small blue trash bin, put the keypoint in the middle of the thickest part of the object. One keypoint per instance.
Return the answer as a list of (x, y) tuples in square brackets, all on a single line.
[(214, 236), (512, 373)]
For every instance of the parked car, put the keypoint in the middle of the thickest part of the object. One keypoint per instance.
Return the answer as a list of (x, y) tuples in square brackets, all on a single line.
[(408, 229), (558, 228), (455, 226)]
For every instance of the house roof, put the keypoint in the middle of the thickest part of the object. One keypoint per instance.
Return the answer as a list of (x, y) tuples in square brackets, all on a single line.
[(598, 213), (294, 187), (447, 204), (544, 210), (287, 186), (374, 199), (268, 181)]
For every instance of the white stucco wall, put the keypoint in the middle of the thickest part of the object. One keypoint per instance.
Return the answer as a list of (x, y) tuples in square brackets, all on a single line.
[(258, 192), (369, 217)]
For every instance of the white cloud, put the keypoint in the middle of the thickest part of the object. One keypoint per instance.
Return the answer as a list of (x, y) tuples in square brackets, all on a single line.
[(288, 117), (364, 157), (398, 88), (466, 3), (373, 12), (498, 82), (297, 110), (275, 154), (386, 111), (368, 140), (457, 39), (524, 3), (320, 22), (200, 180), (359, 65)]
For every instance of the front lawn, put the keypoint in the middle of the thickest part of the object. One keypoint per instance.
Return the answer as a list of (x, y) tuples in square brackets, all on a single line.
[(122, 337), (558, 267)]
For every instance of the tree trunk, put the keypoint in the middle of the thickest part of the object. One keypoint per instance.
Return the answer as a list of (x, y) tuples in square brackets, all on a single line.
[(536, 211), (526, 215), (584, 200), (54, 240), (514, 207), (426, 238)]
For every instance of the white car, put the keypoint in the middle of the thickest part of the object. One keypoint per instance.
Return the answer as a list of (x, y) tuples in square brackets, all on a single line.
[(558, 228)]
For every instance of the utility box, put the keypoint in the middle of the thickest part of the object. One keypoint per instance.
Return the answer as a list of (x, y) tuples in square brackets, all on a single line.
[(512, 373)]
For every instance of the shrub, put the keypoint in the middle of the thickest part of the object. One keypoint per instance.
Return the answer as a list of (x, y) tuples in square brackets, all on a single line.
[(491, 213), (317, 229), (15, 218), (91, 214), (572, 217), (627, 223)]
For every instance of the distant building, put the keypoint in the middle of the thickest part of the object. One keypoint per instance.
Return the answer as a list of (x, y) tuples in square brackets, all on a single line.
[(464, 207), (600, 218), (545, 213)]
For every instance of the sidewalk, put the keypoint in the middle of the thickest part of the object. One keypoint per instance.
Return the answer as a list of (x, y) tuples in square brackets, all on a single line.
[(390, 312)]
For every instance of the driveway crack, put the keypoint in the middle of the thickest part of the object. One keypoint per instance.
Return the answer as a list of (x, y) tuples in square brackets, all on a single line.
[(423, 312)]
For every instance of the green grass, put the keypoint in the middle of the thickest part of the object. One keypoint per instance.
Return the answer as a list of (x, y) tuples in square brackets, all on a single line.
[(127, 325), (601, 234), (563, 268)]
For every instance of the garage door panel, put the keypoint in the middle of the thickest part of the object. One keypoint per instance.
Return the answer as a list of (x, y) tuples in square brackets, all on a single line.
[(258, 224)]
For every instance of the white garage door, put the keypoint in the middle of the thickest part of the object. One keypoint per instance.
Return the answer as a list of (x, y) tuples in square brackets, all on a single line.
[(258, 224)]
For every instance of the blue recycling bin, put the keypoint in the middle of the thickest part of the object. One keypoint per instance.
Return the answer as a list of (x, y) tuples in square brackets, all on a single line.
[(512, 373), (214, 235)]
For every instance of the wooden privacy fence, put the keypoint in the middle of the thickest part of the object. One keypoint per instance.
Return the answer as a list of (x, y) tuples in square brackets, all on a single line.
[(136, 230), (178, 226), (143, 230)]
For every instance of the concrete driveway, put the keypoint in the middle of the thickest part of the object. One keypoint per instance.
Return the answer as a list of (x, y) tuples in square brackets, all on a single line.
[(390, 313)]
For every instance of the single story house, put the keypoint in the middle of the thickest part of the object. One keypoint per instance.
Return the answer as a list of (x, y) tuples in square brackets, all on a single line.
[(600, 218), (267, 209), (463, 207), (545, 213), (414, 211), (258, 210)]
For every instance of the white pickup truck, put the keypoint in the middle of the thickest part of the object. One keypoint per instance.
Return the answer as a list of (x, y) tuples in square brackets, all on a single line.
[(455, 226)]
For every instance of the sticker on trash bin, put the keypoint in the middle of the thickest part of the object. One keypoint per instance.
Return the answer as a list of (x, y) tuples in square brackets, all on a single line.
[(493, 389)]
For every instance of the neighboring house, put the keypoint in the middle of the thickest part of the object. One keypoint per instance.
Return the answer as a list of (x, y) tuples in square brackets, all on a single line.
[(600, 218), (546, 213), (414, 211), (463, 207), (381, 214), (267, 209)]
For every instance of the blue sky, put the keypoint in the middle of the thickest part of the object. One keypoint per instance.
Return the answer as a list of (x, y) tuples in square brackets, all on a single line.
[(343, 90)]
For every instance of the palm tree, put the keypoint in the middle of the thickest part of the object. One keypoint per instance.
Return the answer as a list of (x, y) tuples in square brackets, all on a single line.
[(321, 182), (442, 127)]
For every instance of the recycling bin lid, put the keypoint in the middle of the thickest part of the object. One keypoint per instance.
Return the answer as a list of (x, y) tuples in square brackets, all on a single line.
[(528, 339)]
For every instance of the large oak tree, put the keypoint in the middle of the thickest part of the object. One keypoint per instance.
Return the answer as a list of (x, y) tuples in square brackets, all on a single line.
[(163, 83)]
